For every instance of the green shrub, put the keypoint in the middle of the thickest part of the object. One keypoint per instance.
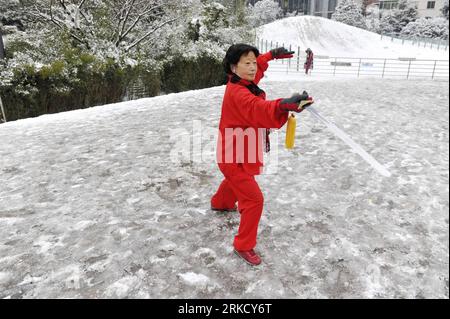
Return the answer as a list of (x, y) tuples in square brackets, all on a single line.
[(70, 84), (182, 74), (80, 80)]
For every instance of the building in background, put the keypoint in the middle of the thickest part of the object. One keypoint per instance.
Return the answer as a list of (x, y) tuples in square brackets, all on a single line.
[(325, 8), (322, 8), (425, 8)]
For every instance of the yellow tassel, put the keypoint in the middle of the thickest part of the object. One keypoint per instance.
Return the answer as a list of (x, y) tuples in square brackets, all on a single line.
[(290, 132)]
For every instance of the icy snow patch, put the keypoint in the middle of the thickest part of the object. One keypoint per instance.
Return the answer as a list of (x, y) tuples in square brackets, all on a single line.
[(5, 277), (194, 279), (122, 287)]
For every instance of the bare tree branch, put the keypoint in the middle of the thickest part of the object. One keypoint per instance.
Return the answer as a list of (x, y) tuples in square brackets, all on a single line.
[(123, 34), (63, 5), (81, 4), (149, 33), (58, 23), (124, 22), (50, 18), (81, 11)]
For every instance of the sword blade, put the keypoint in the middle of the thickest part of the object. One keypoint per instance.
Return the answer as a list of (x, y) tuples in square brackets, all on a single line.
[(353, 145)]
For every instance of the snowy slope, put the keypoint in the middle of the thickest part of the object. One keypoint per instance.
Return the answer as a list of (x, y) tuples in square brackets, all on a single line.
[(330, 38), (92, 205)]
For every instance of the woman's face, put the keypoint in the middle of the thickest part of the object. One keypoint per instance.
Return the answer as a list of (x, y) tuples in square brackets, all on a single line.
[(246, 67)]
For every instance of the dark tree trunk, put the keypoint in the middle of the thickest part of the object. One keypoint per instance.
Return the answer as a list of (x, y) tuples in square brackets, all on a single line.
[(2, 48)]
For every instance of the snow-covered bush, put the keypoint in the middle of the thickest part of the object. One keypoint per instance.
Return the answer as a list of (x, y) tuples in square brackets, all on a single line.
[(207, 29), (141, 31), (13, 13), (82, 53), (349, 12), (76, 80), (393, 21), (263, 12), (372, 18), (427, 28), (197, 45)]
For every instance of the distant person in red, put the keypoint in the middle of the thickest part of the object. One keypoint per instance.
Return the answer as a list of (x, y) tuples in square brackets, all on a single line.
[(243, 134), (309, 64)]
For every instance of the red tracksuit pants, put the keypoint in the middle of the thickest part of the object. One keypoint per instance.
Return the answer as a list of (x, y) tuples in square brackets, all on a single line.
[(243, 188)]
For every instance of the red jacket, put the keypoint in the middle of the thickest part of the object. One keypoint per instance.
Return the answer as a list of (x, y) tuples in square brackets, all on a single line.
[(243, 123), (309, 60)]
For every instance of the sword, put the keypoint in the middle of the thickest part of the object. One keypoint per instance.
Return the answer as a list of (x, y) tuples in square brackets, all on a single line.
[(353, 145)]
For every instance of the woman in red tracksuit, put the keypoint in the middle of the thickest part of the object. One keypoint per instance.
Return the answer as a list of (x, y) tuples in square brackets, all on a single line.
[(243, 133)]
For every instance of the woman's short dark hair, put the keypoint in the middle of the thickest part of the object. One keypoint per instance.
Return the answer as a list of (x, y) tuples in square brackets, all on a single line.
[(234, 54)]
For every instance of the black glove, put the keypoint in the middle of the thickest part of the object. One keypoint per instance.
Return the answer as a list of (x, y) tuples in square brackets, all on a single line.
[(297, 102), (282, 53)]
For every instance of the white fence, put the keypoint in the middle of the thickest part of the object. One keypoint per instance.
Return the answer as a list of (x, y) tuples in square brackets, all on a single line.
[(437, 44), (402, 68)]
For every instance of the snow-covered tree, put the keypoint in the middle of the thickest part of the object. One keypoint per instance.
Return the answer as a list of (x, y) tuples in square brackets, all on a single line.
[(393, 21), (364, 5), (444, 9), (13, 20), (12, 13), (408, 11), (389, 24), (349, 12), (263, 12), (208, 27), (238, 10), (427, 28), (372, 19), (65, 38), (107, 25)]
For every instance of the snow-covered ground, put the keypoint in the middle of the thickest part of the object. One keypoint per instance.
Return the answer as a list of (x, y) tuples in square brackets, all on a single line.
[(330, 38), (92, 204)]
